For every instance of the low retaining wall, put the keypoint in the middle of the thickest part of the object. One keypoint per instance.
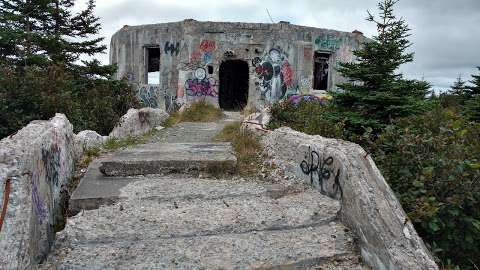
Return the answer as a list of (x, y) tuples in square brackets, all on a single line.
[(36, 166), (344, 171)]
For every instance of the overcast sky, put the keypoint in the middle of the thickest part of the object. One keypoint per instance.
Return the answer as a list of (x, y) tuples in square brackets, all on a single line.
[(446, 33)]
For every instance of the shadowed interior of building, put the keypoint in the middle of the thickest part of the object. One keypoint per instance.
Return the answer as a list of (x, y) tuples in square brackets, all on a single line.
[(233, 92)]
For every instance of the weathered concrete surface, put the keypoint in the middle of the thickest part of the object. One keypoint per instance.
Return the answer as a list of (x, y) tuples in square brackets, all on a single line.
[(38, 163), (344, 171), (138, 122), (171, 157), (178, 216), (176, 221), (280, 58), (85, 140)]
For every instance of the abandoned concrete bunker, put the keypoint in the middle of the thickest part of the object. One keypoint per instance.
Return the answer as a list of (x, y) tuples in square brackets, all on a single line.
[(231, 65)]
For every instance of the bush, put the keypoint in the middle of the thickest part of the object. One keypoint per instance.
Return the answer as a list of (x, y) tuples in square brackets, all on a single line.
[(307, 116), (433, 164), (431, 161), (89, 103)]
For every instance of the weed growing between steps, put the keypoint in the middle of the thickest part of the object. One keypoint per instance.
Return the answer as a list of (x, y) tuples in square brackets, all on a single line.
[(247, 148), (200, 111)]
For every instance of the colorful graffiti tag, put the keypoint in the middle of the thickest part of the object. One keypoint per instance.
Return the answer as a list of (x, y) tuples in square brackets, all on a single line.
[(148, 95), (195, 75), (275, 76), (201, 85)]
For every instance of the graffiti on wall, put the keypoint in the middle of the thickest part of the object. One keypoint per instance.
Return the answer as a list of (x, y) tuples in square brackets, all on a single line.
[(305, 85), (148, 95), (275, 76), (48, 168), (328, 42), (197, 82), (172, 48), (322, 173), (201, 85)]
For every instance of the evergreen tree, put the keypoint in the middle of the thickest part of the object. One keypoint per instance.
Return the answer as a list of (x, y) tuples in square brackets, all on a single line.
[(472, 105), (474, 88), (44, 32), (376, 94), (458, 88)]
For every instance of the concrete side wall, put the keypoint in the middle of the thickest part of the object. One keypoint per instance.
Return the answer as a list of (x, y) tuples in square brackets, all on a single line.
[(37, 164), (344, 171), (188, 48)]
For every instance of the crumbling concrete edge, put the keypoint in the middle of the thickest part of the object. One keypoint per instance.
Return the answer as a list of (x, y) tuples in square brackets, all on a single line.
[(344, 171), (38, 162)]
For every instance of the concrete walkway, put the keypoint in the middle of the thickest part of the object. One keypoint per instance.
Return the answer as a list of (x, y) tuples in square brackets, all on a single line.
[(176, 217)]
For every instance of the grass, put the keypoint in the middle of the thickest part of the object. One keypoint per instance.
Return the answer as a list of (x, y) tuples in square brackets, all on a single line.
[(246, 145), (200, 111)]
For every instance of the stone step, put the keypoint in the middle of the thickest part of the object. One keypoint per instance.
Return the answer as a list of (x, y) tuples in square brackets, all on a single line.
[(155, 217), (95, 189), (171, 157), (279, 249)]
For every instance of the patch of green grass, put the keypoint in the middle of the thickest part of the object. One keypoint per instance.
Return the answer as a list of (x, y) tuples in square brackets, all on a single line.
[(114, 144), (200, 111), (172, 120), (246, 145)]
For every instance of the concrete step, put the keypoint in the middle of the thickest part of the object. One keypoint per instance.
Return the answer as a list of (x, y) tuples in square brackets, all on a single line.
[(171, 158), (280, 249), (95, 189), (154, 217)]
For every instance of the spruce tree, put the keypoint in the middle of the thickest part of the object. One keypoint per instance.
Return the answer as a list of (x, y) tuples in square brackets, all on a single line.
[(474, 88), (45, 32), (458, 88), (472, 105), (376, 94)]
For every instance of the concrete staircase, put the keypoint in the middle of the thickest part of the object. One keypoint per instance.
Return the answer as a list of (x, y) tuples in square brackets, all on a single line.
[(151, 208)]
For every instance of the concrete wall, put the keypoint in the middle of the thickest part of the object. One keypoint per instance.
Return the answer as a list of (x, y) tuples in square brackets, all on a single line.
[(344, 171), (189, 47), (36, 164)]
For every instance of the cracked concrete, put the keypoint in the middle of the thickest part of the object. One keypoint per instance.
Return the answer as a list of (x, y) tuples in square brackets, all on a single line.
[(178, 221)]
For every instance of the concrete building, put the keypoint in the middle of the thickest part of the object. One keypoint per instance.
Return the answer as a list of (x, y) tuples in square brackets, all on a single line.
[(229, 64)]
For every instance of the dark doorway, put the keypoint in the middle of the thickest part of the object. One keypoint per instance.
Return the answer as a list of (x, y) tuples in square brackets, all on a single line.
[(153, 65), (321, 70), (233, 92)]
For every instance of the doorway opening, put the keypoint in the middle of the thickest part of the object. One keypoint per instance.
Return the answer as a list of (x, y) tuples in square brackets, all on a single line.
[(321, 71), (153, 64), (233, 92)]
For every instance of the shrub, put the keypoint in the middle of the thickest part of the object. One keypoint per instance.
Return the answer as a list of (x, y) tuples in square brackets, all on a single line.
[(433, 164), (89, 103), (431, 161)]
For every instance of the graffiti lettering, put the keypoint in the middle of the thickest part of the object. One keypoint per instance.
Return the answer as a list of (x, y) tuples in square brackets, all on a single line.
[(320, 171), (328, 42), (171, 48), (148, 95), (51, 160), (207, 46), (201, 87), (40, 208)]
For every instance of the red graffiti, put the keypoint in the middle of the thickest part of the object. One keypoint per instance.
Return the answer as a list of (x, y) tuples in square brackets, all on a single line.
[(287, 73), (207, 45), (196, 56)]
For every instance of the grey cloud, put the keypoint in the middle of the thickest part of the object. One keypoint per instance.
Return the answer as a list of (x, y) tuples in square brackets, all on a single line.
[(446, 33)]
